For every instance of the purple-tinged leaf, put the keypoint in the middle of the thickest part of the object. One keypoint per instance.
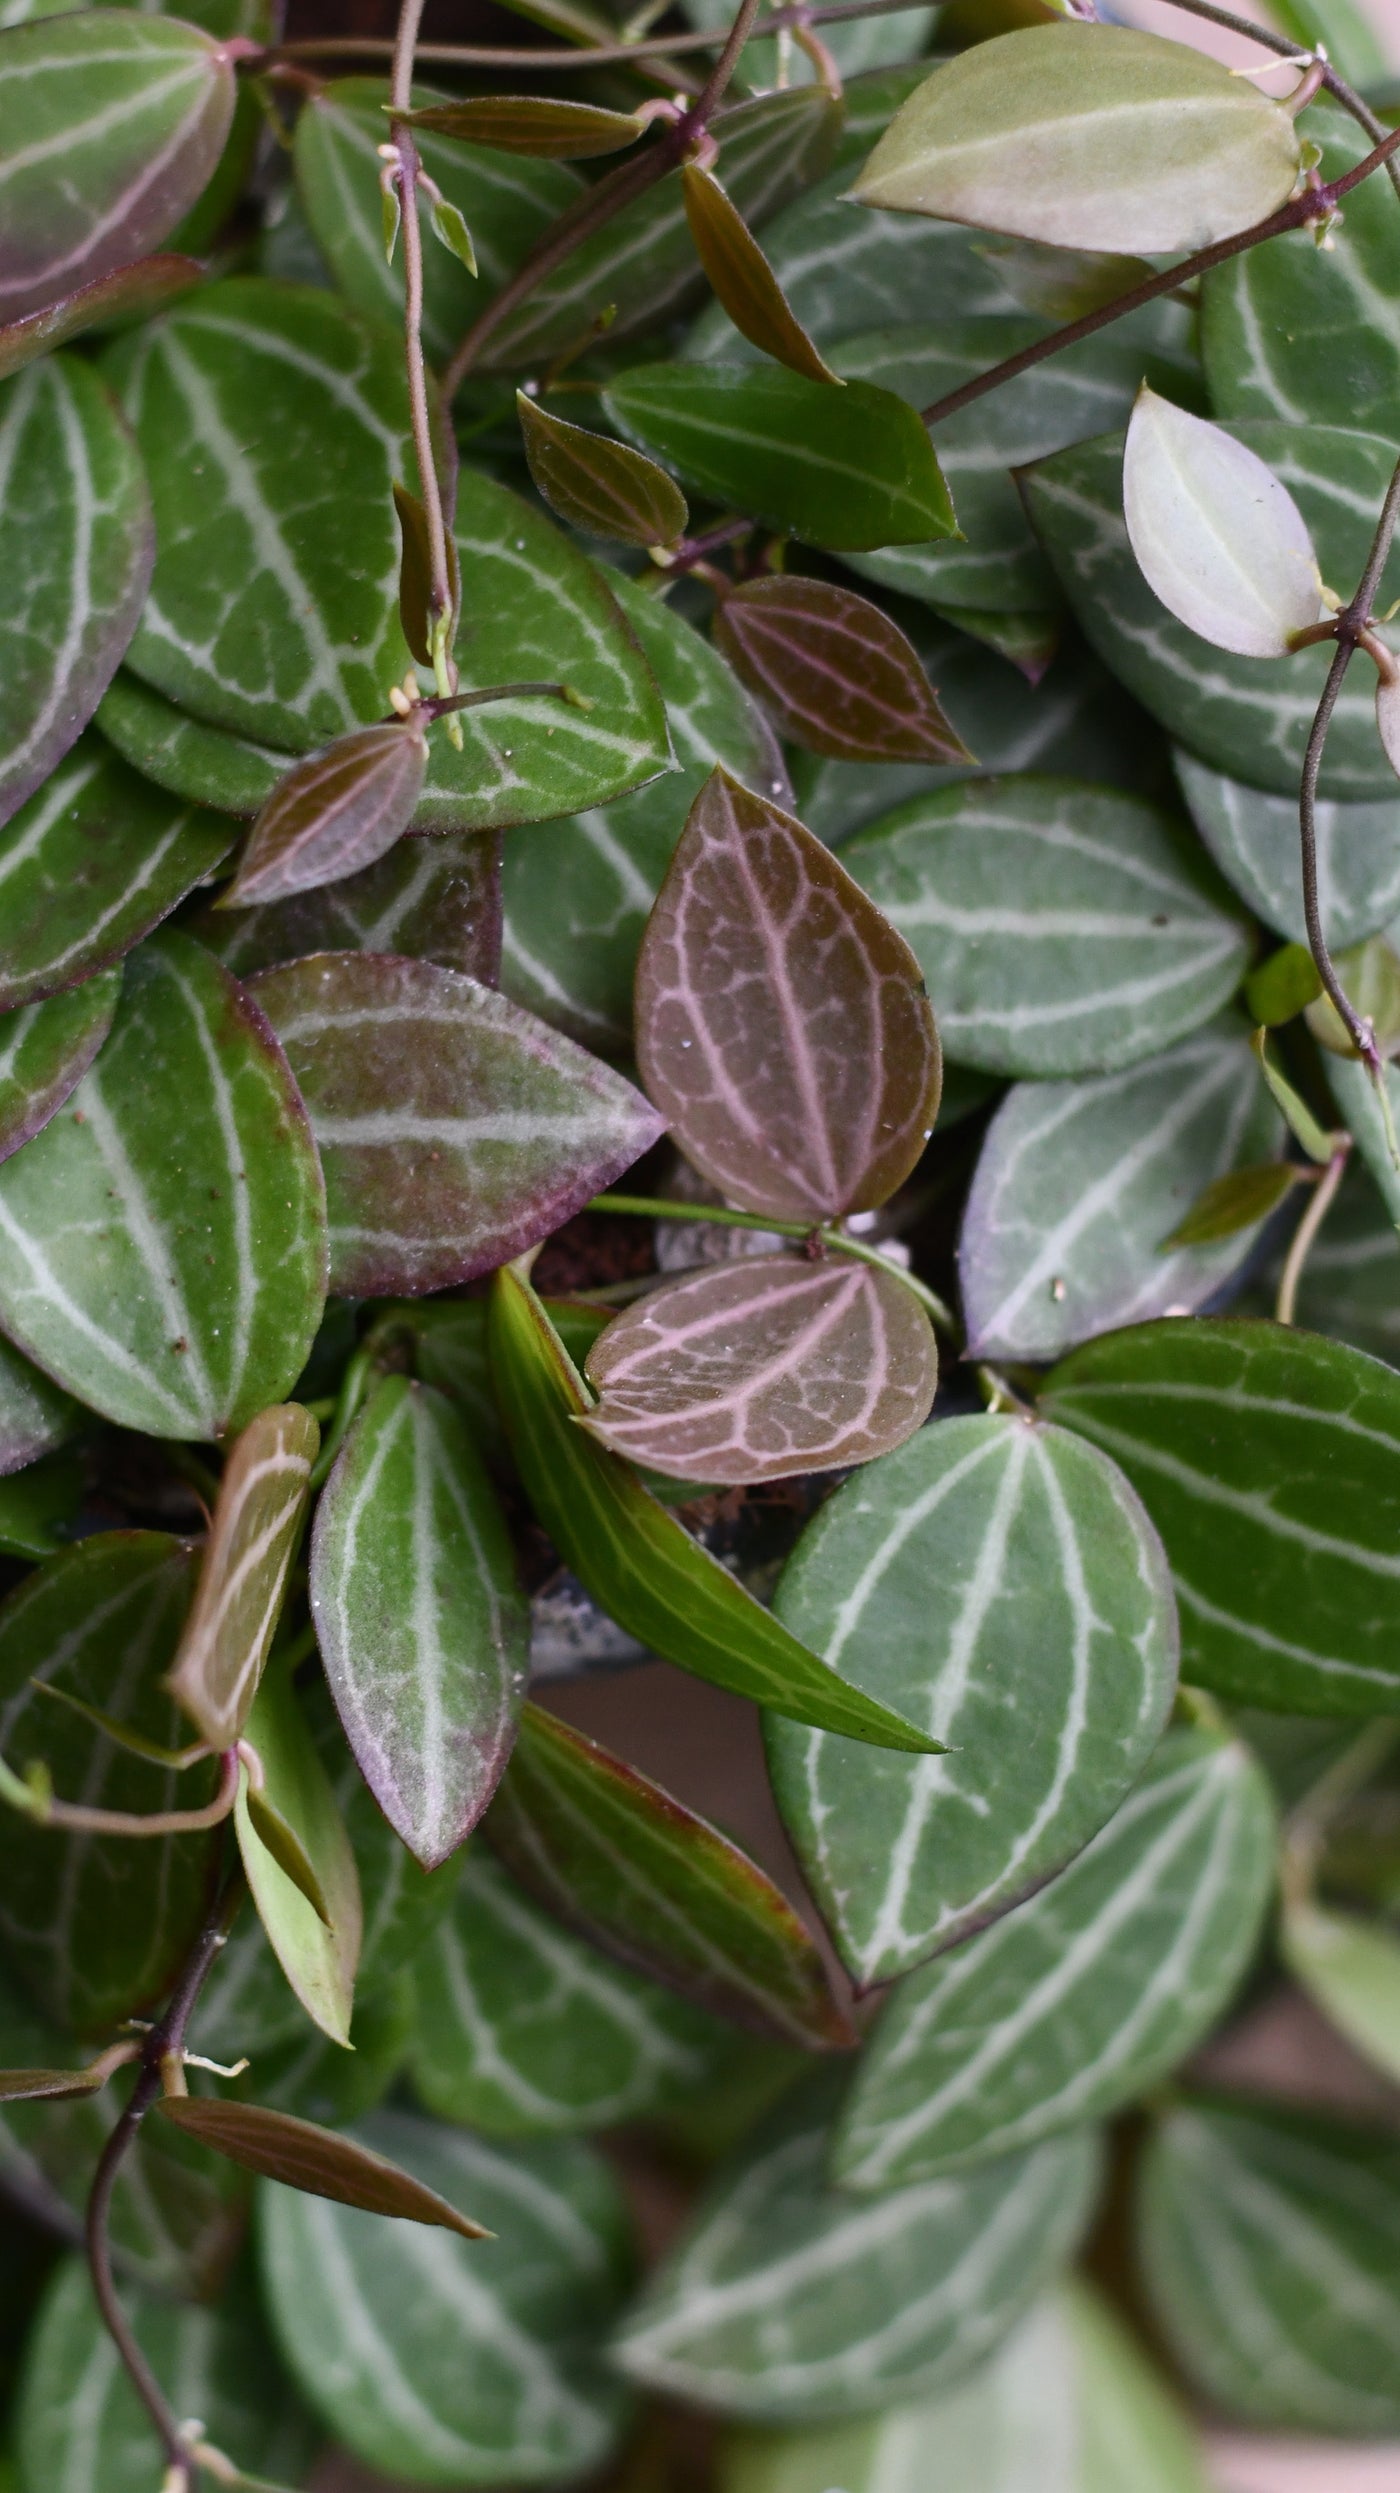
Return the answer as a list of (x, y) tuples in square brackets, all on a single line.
[(837, 674), (336, 812), (45, 1049), (599, 485), (323, 2162), (764, 1368), (455, 1130), (130, 293), (433, 899), (252, 1542), (423, 1630), (531, 125), (34, 2085), (782, 1024), (416, 571), (316, 1942), (742, 279), (617, 1858)]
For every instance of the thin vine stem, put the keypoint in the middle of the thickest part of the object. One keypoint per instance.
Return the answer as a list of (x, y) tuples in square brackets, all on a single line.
[(820, 1233), (578, 56), (406, 176), (1323, 1196)]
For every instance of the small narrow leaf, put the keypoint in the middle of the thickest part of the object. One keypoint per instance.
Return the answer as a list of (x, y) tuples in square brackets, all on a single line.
[(33, 2085), (1301, 1122), (416, 574), (763, 1369), (1219, 539), (742, 279), (322, 2162), (450, 227), (600, 485), (531, 125), (252, 1542), (318, 1957), (1235, 1202), (838, 675), (287, 1850), (130, 293), (782, 1024), (336, 812)]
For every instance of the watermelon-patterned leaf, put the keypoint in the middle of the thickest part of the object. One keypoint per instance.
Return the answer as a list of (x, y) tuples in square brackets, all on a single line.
[(1253, 838), (45, 1049), (253, 1538), (837, 672), (435, 899)]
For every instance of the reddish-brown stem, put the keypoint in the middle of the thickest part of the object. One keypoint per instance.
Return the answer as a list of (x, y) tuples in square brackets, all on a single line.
[(1287, 49), (406, 176), (589, 56)]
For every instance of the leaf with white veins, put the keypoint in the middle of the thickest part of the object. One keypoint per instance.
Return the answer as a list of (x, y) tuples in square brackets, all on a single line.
[(338, 811), (45, 1049), (252, 1542)]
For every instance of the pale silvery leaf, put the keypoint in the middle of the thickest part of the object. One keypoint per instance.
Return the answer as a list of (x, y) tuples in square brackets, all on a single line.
[(1217, 536)]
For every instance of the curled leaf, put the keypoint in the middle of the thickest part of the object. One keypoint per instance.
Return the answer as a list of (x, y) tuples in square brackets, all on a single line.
[(1235, 1202), (416, 574), (287, 1849), (531, 125), (323, 2162), (251, 1546), (334, 813), (316, 1939), (600, 485), (743, 280), (838, 675), (130, 293), (1221, 541)]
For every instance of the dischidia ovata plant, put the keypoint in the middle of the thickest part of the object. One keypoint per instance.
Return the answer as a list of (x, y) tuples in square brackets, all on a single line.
[(446, 760)]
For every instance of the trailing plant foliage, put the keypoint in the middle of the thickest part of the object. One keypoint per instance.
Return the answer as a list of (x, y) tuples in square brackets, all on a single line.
[(653, 616)]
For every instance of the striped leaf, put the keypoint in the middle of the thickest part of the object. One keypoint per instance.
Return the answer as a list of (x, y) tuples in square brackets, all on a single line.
[(1253, 838), (782, 1023), (97, 1925), (572, 934), (1268, 2241), (80, 2425), (35, 1416), (1061, 929), (133, 292), (636, 1560), (1011, 1595), (612, 1853), (76, 550), (124, 120), (455, 1130), (200, 764), (253, 1540), (422, 1628), (1080, 1184), (596, 484), (434, 2358), (335, 812), (837, 672), (763, 1369), (787, 2301), (431, 900), (1085, 1996), (91, 864), (1270, 1462), (318, 1954), (183, 1327), (45, 1049), (741, 277), (521, 2029), (1248, 717)]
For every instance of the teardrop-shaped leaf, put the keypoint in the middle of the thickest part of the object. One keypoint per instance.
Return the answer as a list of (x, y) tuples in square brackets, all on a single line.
[(35, 1416), (464, 2366), (454, 1129), (32, 2085), (742, 279), (1014, 1598), (1079, 1184), (612, 1853), (318, 1955), (252, 1541), (431, 900), (1244, 2211), (763, 1369), (338, 811), (847, 469), (422, 1627), (1086, 1995), (1270, 1462), (318, 2161), (75, 551), (133, 292), (453, 232), (1350, 1969), (1240, 1201), (782, 1023), (1217, 537), (633, 1556), (787, 2301), (837, 673), (124, 120), (1097, 138), (178, 1323), (45, 1049), (600, 485), (1061, 929), (531, 125)]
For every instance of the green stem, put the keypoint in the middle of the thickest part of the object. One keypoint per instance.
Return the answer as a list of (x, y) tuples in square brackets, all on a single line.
[(1324, 1195), (354, 1385), (825, 1234)]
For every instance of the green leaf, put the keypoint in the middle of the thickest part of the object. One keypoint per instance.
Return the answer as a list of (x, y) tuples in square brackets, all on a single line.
[(81, 2425), (741, 277), (849, 468), (97, 1925), (987, 881), (133, 292), (1298, 1116), (430, 900), (336, 812), (643, 1566), (253, 1538), (35, 1417), (463, 2366), (1370, 974), (1270, 1462), (1350, 1969), (451, 229), (1268, 2249), (422, 1627), (201, 765), (91, 864), (39, 1508), (836, 672), (1282, 987), (787, 2301), (1085, 1996), (1216, 536), (454, 1129), (1046, 1666), (1248, 717), (311, 2076), (1098, 139), (1078, 1184), (317, 2161), (317, 1956), (181, 1327), (45, 1049), (610, 1852), (530, 125), (521, 2029), (1351, 40), (1240, 1201), (124, 121), (75, 552), (599, 485)]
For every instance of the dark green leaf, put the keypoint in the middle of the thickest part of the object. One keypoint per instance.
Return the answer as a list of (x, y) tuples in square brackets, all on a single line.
[(312, 2077), (142, 287), (29, 2085), (45, 1049), (39, 1508), (1240, 1201), (319, 2161), (202, 765), (531, 125), (837, 673), (434, 899), (742, 279), (335, 813), (317, 1953), (253, 1538), (600, 485), (1298, 1116)]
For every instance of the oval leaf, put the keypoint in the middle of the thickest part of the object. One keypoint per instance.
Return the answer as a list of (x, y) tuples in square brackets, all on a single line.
[(252, 1541), (768, 1368), (319, 2161), (531, 125), (130, 293), (600, 485), (338, 811), (1220, 540), (422, 1627), (742, 279), (45, 1049), (838, 675), (318, 1950), (1015, 1599), (782, 1024)]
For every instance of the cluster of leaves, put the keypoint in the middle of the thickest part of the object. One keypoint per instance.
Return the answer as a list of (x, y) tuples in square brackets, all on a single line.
[(412, 817)]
